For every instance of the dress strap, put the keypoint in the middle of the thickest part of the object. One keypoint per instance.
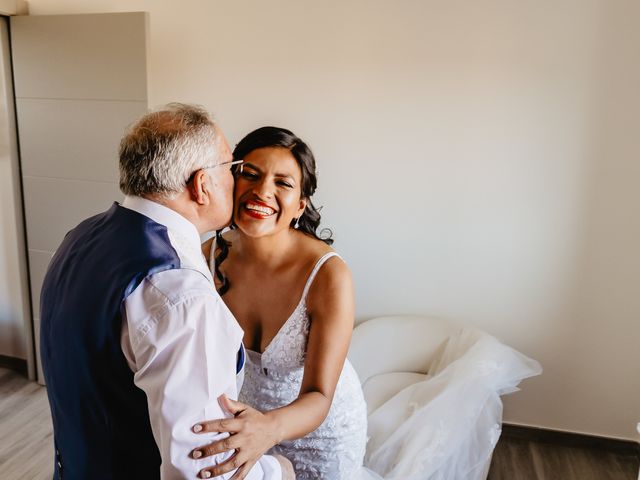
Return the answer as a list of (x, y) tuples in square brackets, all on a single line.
[(314, 272)]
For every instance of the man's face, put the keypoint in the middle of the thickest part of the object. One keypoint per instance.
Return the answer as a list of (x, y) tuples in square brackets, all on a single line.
[(221, 194)]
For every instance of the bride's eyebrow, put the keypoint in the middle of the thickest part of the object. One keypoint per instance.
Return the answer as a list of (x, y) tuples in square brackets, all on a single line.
[(252, 166), (279, 175), (284, 175)]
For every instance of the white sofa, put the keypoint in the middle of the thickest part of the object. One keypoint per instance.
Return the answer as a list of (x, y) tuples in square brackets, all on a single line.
[(433, 390)]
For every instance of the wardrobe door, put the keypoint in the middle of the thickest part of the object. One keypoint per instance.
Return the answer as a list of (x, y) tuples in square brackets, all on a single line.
[(14, 281), (79, 81)]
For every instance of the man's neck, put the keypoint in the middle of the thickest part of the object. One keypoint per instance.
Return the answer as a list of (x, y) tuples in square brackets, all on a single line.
[(182, 207)]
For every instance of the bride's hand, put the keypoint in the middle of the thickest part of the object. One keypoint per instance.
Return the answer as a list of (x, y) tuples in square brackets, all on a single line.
[(252, 433)]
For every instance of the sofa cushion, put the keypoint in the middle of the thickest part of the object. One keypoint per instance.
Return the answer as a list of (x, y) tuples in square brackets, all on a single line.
[(380, 388)]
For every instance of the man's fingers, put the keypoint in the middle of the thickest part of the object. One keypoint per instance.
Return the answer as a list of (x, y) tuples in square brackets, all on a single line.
[(243, 471), (230, 425), (214, 448), (227, 466), (232, 406)]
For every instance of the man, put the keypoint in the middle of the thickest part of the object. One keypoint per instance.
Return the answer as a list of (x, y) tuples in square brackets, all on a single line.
[(136, 344)]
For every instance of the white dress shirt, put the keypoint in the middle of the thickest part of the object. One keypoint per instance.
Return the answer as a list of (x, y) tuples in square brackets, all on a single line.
[(181, 341)]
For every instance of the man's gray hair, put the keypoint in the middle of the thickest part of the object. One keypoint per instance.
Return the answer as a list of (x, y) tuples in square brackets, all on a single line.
[(164, 148)]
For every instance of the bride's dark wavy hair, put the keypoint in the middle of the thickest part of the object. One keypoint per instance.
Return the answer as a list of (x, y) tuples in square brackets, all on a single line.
[(309, 221)]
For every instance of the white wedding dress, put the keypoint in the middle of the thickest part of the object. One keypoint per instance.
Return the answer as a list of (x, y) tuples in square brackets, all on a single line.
[(446, 426), (335, 450), (443, 428)]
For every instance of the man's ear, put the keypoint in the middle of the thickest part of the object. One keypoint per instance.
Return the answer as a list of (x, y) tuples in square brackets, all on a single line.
[(199, 188)]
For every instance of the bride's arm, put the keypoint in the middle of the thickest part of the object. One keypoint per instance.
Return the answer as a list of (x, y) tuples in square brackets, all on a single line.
[(330, 304)]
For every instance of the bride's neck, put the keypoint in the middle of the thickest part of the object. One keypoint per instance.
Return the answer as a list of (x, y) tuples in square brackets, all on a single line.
[(270, 251)]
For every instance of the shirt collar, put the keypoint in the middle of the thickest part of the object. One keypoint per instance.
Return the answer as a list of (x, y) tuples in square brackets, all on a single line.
[(164, 216)]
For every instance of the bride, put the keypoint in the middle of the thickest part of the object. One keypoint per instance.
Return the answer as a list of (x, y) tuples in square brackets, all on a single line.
[(301, 398), (293, 296)]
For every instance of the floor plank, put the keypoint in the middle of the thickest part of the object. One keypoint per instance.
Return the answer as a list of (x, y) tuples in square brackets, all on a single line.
[(26, 433), (518, 459)]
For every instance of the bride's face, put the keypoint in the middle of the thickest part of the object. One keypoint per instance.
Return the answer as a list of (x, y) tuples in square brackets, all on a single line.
[(267, 192)]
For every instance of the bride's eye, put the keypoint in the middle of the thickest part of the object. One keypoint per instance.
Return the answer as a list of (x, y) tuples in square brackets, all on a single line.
[(248, 174)]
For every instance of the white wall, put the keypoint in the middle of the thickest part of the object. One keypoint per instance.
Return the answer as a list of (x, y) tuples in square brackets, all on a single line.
[(478, 160)]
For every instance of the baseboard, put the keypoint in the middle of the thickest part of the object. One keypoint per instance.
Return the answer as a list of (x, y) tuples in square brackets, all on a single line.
[(571, 439), (12, 363)]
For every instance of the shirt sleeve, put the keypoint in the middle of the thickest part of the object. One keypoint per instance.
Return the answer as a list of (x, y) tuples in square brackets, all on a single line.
[(183, 355)]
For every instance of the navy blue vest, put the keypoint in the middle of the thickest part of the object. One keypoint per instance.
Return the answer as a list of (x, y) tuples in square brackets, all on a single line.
[(100, 418)]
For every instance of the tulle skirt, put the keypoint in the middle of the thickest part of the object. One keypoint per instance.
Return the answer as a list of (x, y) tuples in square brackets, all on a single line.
[(446, 427)]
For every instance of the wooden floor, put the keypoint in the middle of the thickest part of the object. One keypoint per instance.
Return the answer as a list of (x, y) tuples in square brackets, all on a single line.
[(517, 459), (26, 445), (26, 439)]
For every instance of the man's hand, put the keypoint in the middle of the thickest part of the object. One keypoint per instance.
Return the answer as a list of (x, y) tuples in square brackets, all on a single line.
[(252, 433)]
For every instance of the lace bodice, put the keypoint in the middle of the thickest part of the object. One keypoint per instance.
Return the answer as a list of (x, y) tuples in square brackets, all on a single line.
[(335, 450), (288, 347)]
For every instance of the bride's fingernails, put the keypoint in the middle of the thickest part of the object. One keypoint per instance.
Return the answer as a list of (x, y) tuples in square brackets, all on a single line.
[(197, 428), (196, 454), (206, 474)]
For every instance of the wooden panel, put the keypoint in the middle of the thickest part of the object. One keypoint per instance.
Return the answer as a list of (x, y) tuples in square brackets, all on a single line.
[(79, 81), (86, 148), (571, 439), (38, 264), (54, 206), (528, 453), (98, 56), (15, 320)]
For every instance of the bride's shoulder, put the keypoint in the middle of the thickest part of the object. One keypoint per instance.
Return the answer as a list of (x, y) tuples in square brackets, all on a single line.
[(332, 286), (334, 271), (311, 249)]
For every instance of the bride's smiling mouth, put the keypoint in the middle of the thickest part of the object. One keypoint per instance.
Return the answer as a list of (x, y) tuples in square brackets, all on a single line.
[(258, 209)]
